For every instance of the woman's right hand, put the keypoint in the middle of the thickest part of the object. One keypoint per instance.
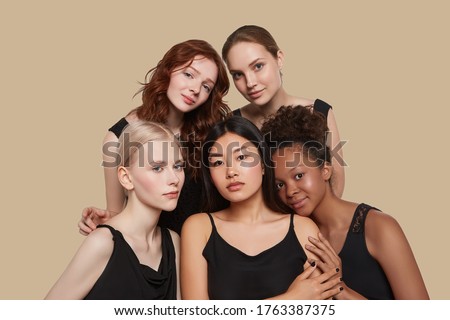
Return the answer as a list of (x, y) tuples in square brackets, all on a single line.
[(320, 287), (91, 217)]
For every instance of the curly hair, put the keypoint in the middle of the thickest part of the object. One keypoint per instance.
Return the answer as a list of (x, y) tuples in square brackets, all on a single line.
[(298, 125), (196, 123)]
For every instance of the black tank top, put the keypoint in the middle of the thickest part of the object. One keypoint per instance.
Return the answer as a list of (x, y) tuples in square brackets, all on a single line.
[(124, 278), (235, 275), (360, 271), (319, 106)]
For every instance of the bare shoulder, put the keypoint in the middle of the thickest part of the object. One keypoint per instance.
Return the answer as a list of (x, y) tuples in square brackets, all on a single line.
[(175, 237), (132, 117), (305, 224), (301, 101), (99, 242), (382, 228), (197, 223)]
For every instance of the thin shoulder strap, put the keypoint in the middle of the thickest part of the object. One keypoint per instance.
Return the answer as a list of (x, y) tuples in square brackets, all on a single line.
[(113, 231), (360, 217), (212, 220), (291, 224)]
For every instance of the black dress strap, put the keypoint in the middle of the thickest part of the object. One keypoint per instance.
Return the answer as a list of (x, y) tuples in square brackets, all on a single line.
[(322, 107), (360, 217), (212, 220), (118, 127), (237, 112), (114, 232)]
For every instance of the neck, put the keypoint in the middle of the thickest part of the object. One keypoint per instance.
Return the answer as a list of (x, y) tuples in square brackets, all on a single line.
[(251, 210), (139, 219), (175, 120), (328, 213)]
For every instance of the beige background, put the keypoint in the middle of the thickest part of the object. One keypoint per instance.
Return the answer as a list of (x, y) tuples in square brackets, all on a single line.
[(69, 71)]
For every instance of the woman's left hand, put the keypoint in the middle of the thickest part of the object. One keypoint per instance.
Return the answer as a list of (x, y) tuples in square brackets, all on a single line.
[(329, 259)]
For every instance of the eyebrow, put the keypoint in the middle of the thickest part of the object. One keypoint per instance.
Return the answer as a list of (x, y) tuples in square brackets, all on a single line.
[(250, 64), (212, 155), (158, 163), (198, 72)]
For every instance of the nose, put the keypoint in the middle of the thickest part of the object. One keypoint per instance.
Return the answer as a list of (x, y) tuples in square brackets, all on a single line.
[(291, 190), (173, 178), (231, 172), (195, 87), (251, 81)]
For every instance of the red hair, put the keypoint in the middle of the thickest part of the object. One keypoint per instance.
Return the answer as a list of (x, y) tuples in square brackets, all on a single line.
[(196, 123)]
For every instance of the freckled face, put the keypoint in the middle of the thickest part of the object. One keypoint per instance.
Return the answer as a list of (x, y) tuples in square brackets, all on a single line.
[(301, 183), (255, 72), (191, 85), (235, 167)]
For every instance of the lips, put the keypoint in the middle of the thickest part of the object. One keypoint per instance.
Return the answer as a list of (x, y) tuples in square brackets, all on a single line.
[(235, 186), (297, 204), (255, 94), (172, 194), (188, 100)]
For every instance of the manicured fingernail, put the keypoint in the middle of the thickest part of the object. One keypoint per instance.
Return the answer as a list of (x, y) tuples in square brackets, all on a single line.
[(312, 263), (337, 269), (340, 279), (341, 288)]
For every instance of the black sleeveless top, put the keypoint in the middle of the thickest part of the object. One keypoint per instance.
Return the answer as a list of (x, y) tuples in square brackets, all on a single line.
[(319, 106), (189, 201), (235, 275), (360, 270), (124, 278)]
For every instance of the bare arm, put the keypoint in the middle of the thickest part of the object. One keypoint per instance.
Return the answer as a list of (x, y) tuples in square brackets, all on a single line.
[(338, 178), (85, 268), (194, 269), (176, 244), (388, 245), (115, 196)]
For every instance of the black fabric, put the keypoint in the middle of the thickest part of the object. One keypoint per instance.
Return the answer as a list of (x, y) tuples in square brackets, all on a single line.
[(322, 107), (190, 198), (319, 106), (124, 278), (235, 275), (360, 271), (118, 127)]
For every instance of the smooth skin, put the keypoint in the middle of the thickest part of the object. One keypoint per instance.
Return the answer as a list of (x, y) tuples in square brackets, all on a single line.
[(248, 224), (151, 189), (307, 190), (257, 76), (189, 87)]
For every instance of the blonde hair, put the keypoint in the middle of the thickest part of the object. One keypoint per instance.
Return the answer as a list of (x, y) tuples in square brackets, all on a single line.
[(138, 133)]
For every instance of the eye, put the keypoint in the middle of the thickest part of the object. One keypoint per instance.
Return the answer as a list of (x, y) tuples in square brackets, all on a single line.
[(157, 168), (258, 66), (279, 185), (236, 75), (179, 166), (207, 88), (241, 157), (188, 75), (298, 176), (216, 163)]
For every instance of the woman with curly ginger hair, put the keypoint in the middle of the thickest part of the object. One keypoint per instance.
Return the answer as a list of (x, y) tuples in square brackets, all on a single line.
[(184, 92)]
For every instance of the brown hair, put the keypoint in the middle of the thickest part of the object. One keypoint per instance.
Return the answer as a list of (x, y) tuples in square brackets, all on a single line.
[(250, 33), (196, 124)]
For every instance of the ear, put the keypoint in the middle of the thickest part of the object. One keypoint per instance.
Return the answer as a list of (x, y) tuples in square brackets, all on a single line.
[(280, 59), (327, 171), (124, 178)]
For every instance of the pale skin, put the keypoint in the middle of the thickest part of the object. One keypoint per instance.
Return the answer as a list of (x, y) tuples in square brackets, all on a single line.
[(256, 75), (307, 189), (189, 87), (137, 222), (248, 225)]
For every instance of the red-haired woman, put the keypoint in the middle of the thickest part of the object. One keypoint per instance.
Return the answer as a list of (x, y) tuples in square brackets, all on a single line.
[(185, 92)]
